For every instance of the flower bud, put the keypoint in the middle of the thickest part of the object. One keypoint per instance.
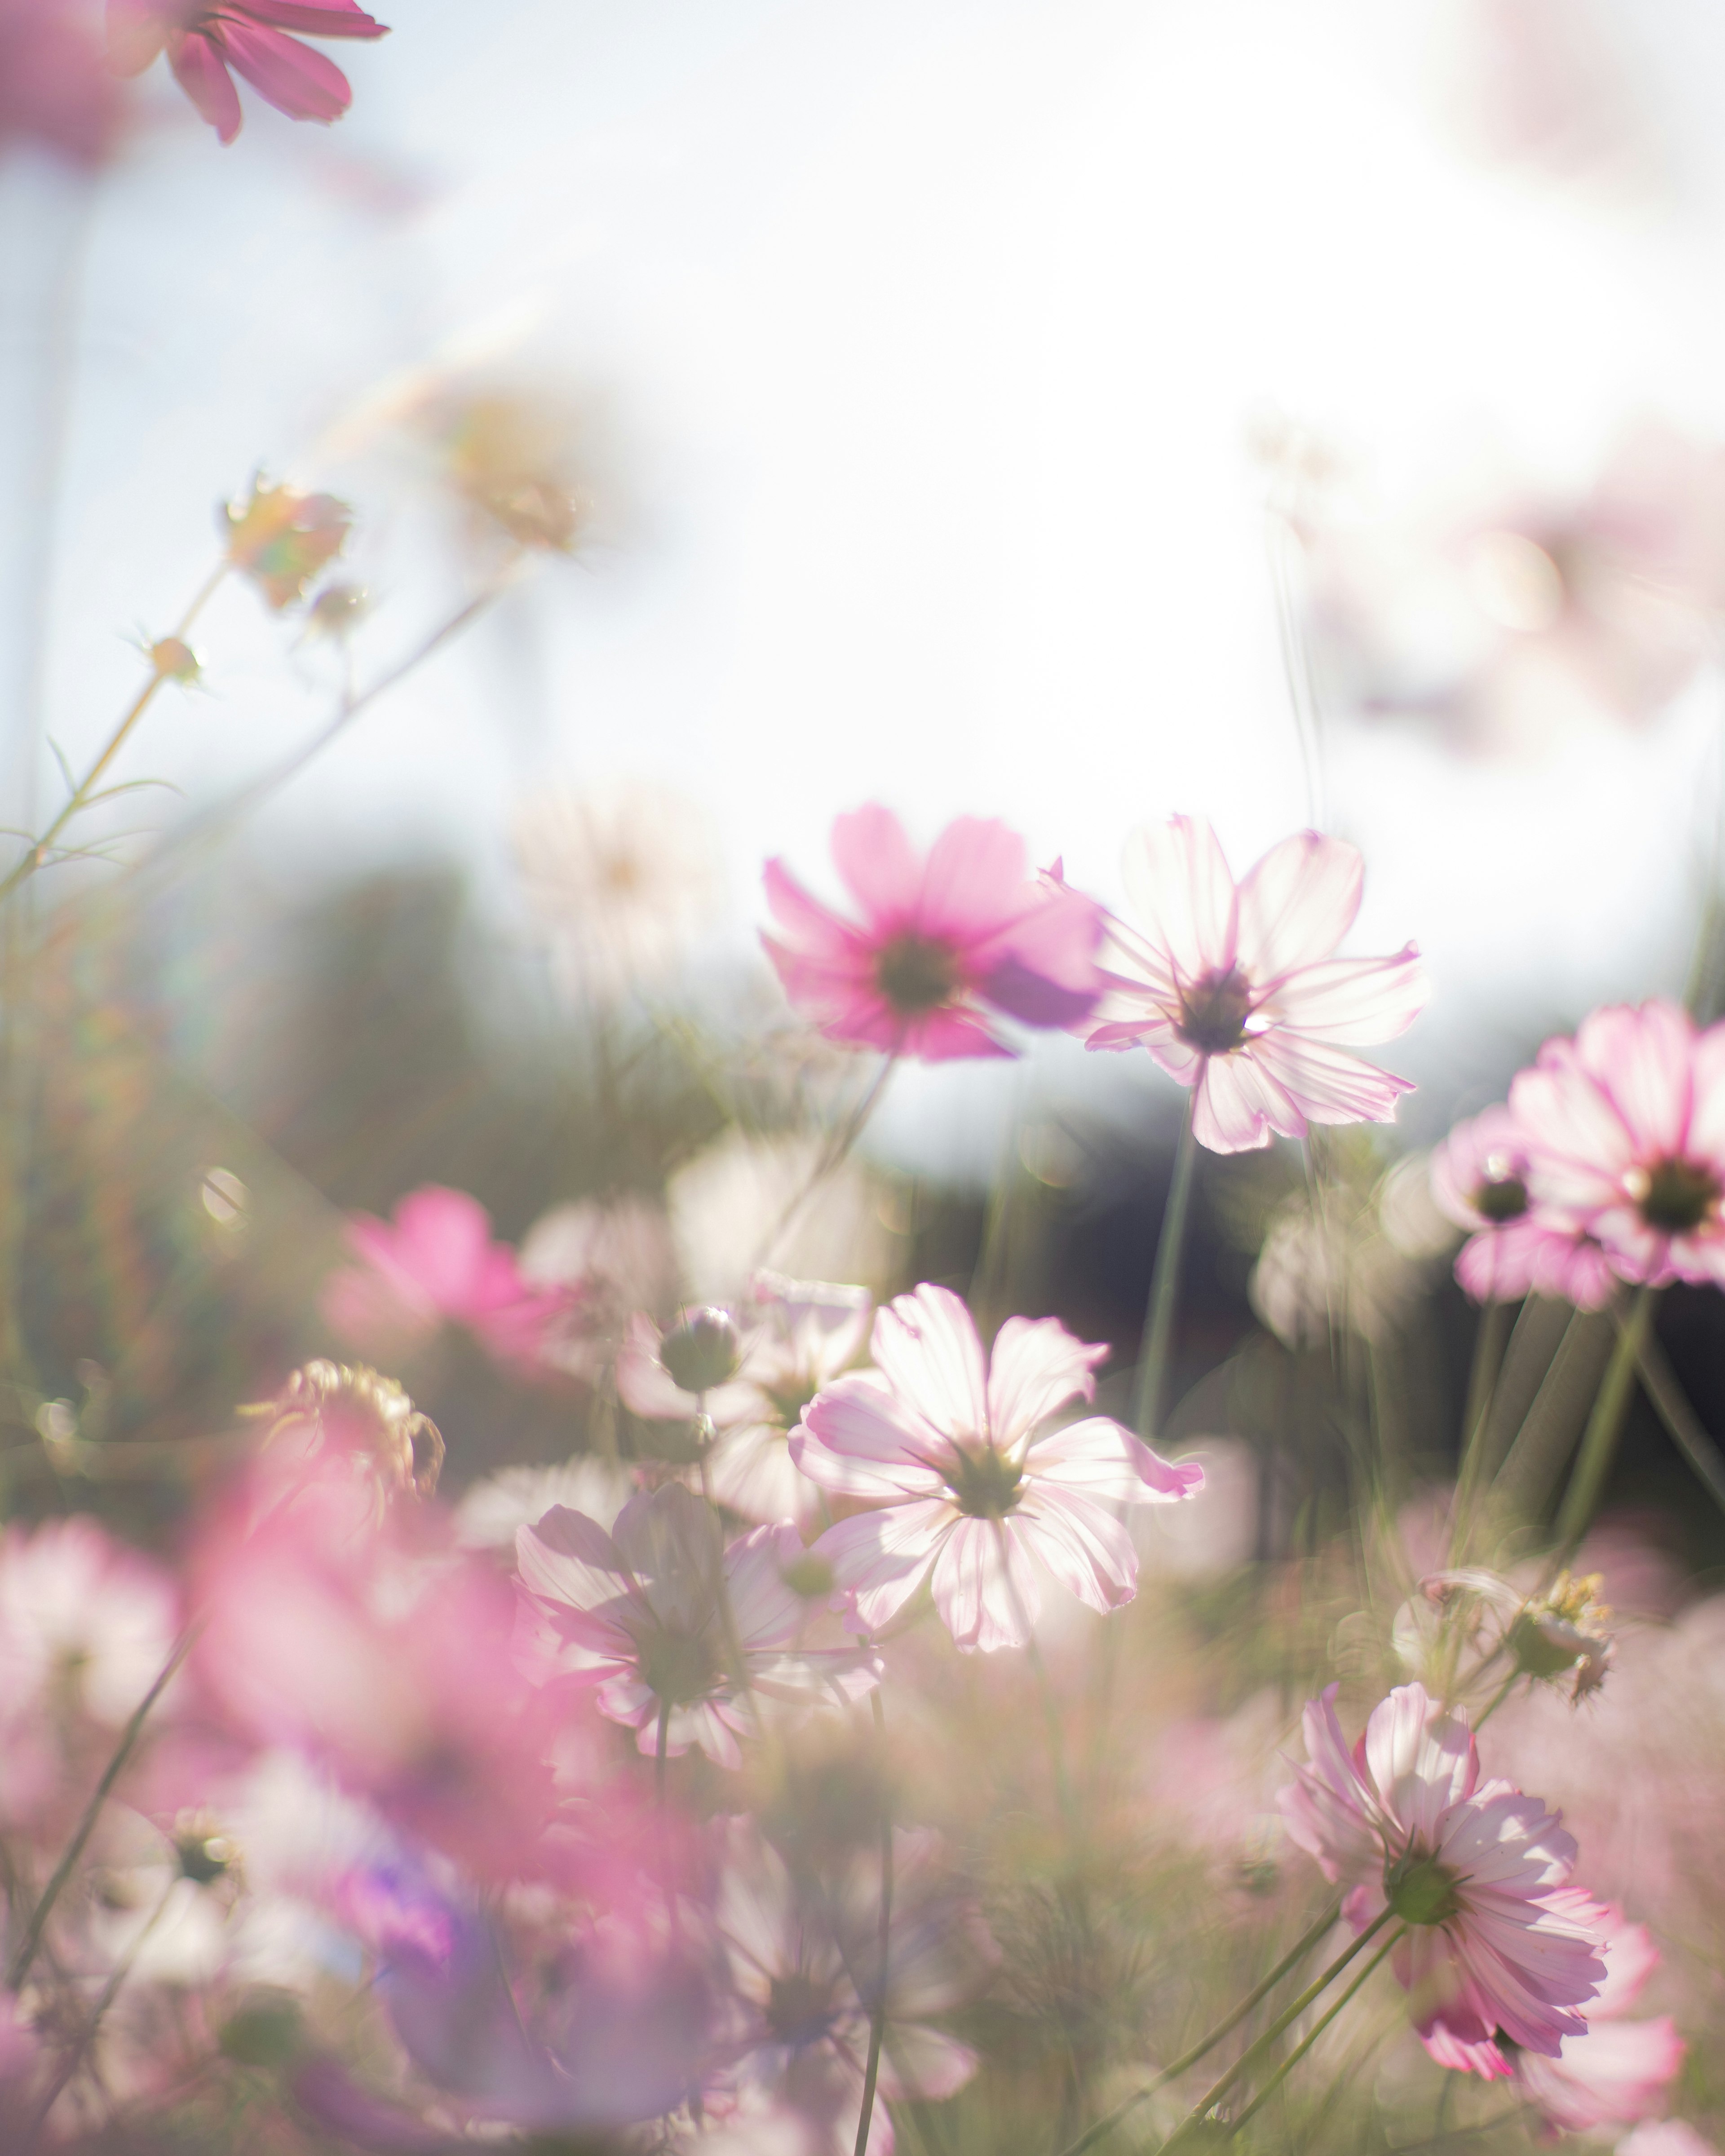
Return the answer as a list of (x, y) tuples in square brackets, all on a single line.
[(702, 1350), (174, 660), (337, 609), (282, 538)]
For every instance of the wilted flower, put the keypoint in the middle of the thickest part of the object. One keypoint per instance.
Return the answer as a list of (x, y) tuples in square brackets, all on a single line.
[(964, 1491), (517, 459), (802, 1335), (1497, 1943), (204, 40), (53, 87), (281, 538), (942, 940), (643, 1614), (804, 1962), (622, 875), (1625, 1126), (435, 1264), (354, 1414), (1458, 1627), (1234, 991), (1619, 2069)]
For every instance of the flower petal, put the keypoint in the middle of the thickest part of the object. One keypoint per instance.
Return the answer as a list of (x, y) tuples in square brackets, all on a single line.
[(926, 1346), (1177, 878), (1035, 1367), (1297, 904)]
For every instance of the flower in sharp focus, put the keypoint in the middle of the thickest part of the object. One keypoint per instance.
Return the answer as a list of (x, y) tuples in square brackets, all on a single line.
[(436, 1263), (963, 1490), (942, 941), (623, 878), (1626, 1130), (281, 539), (638, 1614), (1497, 1943), (54, 88), (804, 1960), (800, 1336), (1620, 2070), (1233, 988), (203, 41)]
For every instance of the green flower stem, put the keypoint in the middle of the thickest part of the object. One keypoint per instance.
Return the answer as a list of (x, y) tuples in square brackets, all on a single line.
[(19, 1966), (1659, 1381), (877, 2020), (1318, 2027), (1490, 1341), (1255, 2053), (1598, 1442), (1151, 1376), (1295, 1954)]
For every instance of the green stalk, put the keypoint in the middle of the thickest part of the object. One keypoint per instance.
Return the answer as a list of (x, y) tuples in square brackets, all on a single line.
[(1598, 1443), (1659, 1381), (877, 2020), (1152, 1374), (1318, 2027), (1490, 1341), (1295, 1954)]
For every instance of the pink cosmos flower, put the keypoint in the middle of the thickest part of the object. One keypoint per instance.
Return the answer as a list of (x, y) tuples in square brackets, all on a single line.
[(939, 939), (204, 39), (54, 88), (1479, 1179), (1497, 1943), (1233, 988), (804, 1960), (1626, 1124), (1666, 2136), (1620, 2070), (964, 1491), (435, 1264), (803, 1334), (637, 1613)]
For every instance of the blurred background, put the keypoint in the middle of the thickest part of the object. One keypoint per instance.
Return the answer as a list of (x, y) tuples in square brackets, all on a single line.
[(1075, 412)]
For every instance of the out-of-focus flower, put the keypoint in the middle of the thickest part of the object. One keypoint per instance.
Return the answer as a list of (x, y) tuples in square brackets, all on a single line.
[(623, 877), (357, 1415), (1619, 2069), (1459, 1628), (1665, 2137), (1479, 1176), (804, 1962), (491, 1511), (641, 1615), (517, 459), (86, 1623), (1625, 1127), (203, 41), (1327, 1265), (281, 538), (942, 940), (963, 1490), (435, 1264), (734, 1207), (1512, 614), (1496, 1940), (54, 88), (1233, 990), (801, 1334)]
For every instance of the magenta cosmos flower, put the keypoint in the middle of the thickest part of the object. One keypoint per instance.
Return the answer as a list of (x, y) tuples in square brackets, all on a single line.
[(1233, 988), (939, 939), (435, 1263), (203, 41), (965, 1491), (1626, 1126), (1496, 1943), (1480, 1178)]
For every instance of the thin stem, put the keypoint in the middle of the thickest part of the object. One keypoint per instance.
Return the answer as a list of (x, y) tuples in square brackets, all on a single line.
[(19, 1966), (1283, 2021), (1497, 1698), (877, 2020), (658, 1752), (1557, 1409), (1598, 1443), (1490, 1341), (117, 740), (1318, 2027), (828, 1162), (87, 2035), (1659, 1381), (1295, 1954), (1164, 1286)]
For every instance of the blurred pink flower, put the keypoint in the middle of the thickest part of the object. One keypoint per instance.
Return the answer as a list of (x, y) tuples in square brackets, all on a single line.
[(204, 40), (85, 1623), (1666, 2136), (1619, 2069), (1479, 1179), (940, 937), (54, 88), (804, 1963), (435, 1264), (802, 1335), (637, 1613), (965, 1491), (1626, 1125), (1232, 987), (1497, 1943)]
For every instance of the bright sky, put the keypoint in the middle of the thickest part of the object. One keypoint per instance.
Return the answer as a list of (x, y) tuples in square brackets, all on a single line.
[(934, 331)]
